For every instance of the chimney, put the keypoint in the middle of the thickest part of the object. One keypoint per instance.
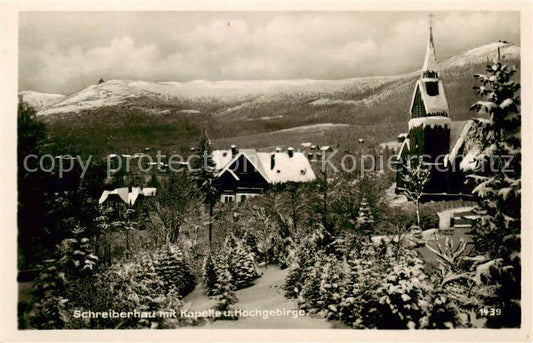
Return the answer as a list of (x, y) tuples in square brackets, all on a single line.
[(234, 150), (310, 155), (290, 151), (278, 149), (272, 161)]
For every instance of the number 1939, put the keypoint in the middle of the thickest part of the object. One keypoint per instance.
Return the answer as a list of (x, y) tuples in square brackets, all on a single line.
[(490, 311)]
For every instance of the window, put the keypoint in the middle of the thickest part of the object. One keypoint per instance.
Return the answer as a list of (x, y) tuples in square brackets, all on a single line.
[(243, 197), (432, 88), (228, 198), (418, 109)]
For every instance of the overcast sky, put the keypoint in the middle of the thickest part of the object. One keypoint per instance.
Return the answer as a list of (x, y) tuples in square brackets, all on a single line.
[(62, 52)]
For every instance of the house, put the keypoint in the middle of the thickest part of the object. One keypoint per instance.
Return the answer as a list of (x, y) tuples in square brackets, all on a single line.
[(127, 195), (245, 173), (430, 134)]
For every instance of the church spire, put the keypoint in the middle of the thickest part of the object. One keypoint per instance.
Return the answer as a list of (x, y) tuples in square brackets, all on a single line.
[(430, 69)]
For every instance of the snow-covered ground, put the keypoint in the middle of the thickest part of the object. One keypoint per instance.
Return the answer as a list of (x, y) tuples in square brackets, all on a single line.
[(329, 102), (312, 128), (265, 294)]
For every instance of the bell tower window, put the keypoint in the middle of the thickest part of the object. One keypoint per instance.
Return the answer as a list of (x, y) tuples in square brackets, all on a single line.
[(432, 88)]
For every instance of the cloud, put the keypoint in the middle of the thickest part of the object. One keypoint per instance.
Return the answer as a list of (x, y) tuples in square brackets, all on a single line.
[(66, 52)]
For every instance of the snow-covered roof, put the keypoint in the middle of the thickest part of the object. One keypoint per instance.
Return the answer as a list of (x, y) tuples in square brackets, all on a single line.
[(430, 61), (467, 146), (295, 169), (461, 140), (405, 145), (125, 195), (430, 121), (221, 158), (149, 191), (432, 103)]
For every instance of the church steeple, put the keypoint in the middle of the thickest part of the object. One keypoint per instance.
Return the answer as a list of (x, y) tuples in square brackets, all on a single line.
[(430, 68), (429, 126)]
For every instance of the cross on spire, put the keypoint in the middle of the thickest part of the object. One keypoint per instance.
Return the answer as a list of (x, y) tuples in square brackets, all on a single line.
[(431, 17), (430, 62)]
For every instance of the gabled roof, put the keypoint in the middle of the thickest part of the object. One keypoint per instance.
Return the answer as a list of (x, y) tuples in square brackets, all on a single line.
[(405, 147), (467, 146), (432, 103), (251, 156), (286, 169)]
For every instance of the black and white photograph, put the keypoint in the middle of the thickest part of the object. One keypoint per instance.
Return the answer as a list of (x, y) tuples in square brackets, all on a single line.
[(302, 169)]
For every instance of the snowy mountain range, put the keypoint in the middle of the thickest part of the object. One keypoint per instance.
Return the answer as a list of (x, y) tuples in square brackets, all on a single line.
[(40, 100), (116, 92)]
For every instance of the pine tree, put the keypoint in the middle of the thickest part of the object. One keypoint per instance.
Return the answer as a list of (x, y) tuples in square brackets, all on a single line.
[(242, 268), (497, 232), (174, 270), (365, 220), (224, 287), (309, 298), (305, 258), (78, 255), (204, 172), (331, 287), (50, 297), (209, 276)]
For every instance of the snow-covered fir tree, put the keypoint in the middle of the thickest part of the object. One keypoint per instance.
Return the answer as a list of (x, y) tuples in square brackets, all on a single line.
[(498, 188), (365, 220), (305, 257), (331, 286), (203, 168), (224, 287), (78, 254), (309, 297), (174, 270), (209, 276), (242, 266)]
